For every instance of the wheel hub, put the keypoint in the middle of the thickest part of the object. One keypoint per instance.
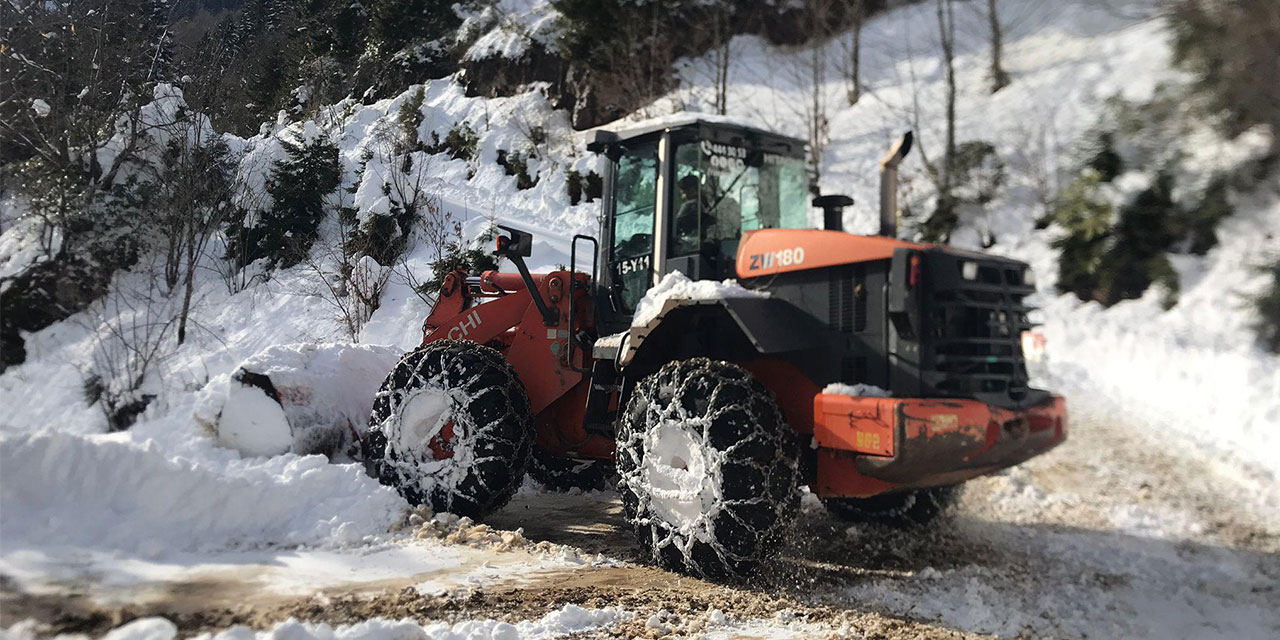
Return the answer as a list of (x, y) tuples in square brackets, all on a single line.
[(426, 424), (681, 475)]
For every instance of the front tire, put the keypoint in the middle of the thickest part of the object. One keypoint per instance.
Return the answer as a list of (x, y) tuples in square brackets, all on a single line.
[(904, 509), (450, 428), (707, 469)]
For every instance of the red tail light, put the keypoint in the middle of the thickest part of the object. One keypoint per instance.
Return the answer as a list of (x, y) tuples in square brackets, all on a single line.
[(913, 276)]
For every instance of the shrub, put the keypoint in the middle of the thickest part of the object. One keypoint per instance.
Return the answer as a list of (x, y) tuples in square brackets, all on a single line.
[(461, 143), (978, 175), (409, 117), (1103, 158), (517, 164), (584, 188), (1086, 217), (1196, 226), (1108, 257), (1267, 306), (474, 260)]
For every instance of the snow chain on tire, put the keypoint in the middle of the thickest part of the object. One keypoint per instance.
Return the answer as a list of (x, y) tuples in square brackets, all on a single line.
[(707, 469), (900, 509), (558, 473), (467, 438)]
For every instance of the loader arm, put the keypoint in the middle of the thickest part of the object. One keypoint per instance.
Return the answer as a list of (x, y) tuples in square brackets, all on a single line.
[(499, 310)]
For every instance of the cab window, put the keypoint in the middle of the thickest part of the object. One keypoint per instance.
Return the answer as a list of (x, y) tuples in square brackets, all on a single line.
[(723, 190), (636, 194)]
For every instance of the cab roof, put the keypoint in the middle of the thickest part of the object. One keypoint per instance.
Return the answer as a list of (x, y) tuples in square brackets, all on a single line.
[(702, 126)]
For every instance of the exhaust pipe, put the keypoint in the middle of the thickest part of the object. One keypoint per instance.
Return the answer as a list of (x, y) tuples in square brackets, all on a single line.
[(889, 185)]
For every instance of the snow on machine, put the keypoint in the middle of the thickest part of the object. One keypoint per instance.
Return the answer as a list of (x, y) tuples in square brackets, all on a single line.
[(722, 355)]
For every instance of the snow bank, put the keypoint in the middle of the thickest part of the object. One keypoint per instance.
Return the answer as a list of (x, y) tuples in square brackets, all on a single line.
[(100, 491), (569, 619), (325, 391), (677, 286)]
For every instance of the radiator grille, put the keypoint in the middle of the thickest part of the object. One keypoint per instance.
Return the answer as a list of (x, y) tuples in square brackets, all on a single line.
[(977, 332)]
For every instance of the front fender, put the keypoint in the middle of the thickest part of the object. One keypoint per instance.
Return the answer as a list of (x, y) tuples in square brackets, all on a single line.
[(732, 329)]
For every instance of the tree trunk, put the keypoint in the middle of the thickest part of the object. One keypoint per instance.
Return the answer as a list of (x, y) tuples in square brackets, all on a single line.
[(723, 38), (999, 78), (855, 55), (946, 24)]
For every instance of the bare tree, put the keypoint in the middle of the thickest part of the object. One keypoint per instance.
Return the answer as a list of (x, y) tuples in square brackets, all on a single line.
[(193, 194), (999, 78), (811, 74), (852, 66), (132, 324), (351, 284), (721, 53)]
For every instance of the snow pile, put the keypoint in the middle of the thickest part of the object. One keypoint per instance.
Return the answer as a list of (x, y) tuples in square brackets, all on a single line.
[(101, 491), (325, 394), (677, 286), (567, 620)]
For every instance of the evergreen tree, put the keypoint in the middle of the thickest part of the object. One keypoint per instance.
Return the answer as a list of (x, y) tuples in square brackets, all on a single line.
[(298, 187)]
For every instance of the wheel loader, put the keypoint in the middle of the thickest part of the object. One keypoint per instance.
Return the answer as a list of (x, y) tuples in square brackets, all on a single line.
[(878, 373)]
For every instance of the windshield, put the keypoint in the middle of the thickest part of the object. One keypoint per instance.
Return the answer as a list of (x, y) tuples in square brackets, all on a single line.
[(724, 190)]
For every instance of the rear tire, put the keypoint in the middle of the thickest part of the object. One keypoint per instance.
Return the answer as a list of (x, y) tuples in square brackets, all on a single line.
[(905, 509), (450, 428), (559, 473), (707, 469)]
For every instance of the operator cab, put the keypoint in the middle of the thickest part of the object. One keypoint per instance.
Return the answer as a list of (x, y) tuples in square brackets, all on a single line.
[(679, 195)]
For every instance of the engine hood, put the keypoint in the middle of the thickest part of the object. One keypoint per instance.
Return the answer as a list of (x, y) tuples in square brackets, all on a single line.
[(770, 251)]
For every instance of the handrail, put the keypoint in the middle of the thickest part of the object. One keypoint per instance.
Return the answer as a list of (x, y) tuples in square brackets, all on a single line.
[(573, 280)]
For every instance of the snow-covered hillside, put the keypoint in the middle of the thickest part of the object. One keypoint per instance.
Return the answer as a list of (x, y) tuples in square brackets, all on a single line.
[(171, 497)]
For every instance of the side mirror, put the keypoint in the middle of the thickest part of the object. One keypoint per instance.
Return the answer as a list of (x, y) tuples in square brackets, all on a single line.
[(516, 243)]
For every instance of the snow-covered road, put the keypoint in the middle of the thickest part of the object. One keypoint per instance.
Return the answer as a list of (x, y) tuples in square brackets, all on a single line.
[(1119, 533)]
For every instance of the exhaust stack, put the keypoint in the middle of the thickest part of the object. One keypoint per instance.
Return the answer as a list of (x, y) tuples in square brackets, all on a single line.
[(889, 185)]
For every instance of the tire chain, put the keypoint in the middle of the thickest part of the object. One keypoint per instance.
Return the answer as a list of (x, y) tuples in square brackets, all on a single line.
[(742, 431), (490, 409)]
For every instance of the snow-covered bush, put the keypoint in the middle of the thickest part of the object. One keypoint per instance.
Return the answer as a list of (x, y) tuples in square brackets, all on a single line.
[(473, 260), (516, 164)]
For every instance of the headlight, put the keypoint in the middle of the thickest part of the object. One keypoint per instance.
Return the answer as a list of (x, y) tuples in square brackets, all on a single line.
[(969, 270)]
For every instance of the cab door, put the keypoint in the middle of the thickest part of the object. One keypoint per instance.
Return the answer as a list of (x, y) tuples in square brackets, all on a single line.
[(632, 201)]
